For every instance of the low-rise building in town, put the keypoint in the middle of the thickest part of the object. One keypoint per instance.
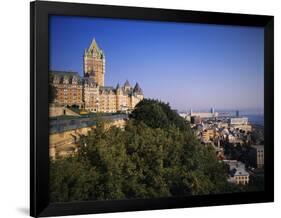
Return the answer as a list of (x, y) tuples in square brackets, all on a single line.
[(232, 139), (223, 125), (208, 135), (244, 127), (237, 172)]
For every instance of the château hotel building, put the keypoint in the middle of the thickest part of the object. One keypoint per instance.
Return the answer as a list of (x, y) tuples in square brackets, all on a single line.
[(89, 92)]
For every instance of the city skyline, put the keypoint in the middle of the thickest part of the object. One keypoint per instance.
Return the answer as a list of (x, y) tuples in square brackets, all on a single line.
[(188, 65)]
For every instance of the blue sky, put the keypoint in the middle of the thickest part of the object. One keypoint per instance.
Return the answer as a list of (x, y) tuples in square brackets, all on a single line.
[(188, 65)]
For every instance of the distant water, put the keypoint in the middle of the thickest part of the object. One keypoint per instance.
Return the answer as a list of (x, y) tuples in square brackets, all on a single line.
[(256, 119), (255, 116)]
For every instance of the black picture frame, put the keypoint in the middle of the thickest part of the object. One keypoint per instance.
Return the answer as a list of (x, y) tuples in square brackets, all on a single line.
[(39, 127)]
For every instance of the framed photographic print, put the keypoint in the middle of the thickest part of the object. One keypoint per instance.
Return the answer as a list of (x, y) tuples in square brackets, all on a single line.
[(141, 109)]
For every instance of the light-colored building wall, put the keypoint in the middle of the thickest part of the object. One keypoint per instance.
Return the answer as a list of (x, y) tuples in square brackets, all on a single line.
[(241, 179), (121, 101), (204, 114), (68, 88), (91, 96), (208, 135), (239, 121), (135, 100)]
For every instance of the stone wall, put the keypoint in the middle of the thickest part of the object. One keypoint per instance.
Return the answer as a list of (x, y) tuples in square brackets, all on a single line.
[(66, 143), (55, 111)]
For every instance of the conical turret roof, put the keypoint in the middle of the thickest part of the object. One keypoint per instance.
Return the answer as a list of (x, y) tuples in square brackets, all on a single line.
[(137, 89), (118, 86), (127, 83)]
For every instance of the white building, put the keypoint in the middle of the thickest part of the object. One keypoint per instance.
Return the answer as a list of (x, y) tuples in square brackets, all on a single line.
[(239, 121)]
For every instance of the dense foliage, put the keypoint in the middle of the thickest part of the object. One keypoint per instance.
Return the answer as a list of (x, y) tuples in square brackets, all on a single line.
[(157, 114), (156, 155)]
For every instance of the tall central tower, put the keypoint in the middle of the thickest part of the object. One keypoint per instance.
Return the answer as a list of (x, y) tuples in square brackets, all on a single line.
[(94, 63)]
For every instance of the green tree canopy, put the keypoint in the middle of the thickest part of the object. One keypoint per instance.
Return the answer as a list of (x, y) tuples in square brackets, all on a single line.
[(157, 114), (156, 155)]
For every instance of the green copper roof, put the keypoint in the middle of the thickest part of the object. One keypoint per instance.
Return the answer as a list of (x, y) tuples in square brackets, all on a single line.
[(94, 48)]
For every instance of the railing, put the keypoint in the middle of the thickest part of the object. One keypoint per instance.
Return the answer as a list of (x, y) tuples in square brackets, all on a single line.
[(62, 125)]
